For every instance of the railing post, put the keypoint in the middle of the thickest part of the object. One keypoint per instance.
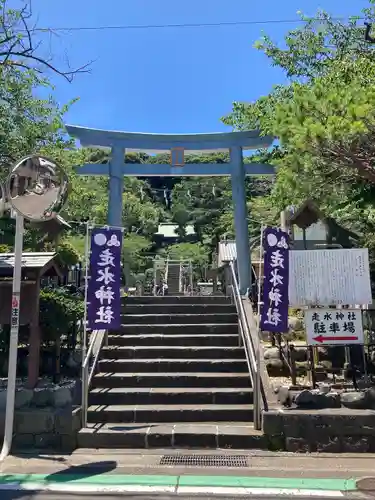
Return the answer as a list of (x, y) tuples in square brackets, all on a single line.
[(180, 277), (257, 390), (85, 390), (155, 278)]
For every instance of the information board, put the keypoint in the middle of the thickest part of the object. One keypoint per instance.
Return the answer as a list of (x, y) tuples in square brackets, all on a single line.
[(329, 277), (334, 326)]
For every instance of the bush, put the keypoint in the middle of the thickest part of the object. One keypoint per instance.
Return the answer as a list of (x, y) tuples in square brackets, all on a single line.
[(67, 254), (59, 313), (5, 249)]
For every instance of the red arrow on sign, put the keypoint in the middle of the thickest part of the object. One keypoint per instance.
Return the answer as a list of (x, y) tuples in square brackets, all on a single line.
[(320, 338)]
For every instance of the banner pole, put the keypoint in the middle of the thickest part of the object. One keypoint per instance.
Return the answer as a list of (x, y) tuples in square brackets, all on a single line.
[(260, 277), (87, 258), (257, 388), (85, 373)]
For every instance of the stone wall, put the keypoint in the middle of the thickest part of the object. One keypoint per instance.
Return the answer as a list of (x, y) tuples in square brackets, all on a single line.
[(45, 428), (44, 417), (333, 430)]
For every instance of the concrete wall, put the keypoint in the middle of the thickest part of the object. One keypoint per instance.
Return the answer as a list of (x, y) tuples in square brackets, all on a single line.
[(331, 431)]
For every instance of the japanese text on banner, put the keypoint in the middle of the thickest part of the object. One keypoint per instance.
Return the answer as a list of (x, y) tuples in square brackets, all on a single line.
[(274, 313), (103, 294)]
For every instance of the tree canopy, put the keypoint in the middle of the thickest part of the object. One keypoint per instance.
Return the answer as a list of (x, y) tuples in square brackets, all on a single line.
[(323, 119)]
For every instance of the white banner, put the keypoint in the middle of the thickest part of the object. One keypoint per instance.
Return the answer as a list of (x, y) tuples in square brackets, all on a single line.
[(329, 277)]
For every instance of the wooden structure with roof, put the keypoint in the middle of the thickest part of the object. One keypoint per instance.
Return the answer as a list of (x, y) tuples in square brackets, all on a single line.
[(311, 229), (168, 234), (227, 253), (35, 265), (52, 228)]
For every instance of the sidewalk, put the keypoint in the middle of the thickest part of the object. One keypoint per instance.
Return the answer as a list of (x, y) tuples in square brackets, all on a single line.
[(122, 471)]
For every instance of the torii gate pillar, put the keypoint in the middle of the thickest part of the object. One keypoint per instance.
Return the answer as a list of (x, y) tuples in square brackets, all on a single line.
[(241, 219), (116, 186), (118, 142)]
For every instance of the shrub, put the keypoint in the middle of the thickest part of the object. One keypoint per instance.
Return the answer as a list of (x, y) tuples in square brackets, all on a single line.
[(59, 313), (67, 254)]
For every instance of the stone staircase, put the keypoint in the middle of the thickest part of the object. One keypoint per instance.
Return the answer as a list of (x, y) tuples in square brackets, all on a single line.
[(173, 377), (173, 279)]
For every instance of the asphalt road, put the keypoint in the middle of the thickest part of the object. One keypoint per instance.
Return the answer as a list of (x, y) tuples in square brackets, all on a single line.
[(34, 204)]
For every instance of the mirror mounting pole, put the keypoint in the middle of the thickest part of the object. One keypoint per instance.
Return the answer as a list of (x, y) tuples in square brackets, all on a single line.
[(13, 344), (36, 189)]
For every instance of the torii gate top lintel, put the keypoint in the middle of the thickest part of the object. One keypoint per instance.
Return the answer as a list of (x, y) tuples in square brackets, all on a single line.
[(235, 142), (251, 139)]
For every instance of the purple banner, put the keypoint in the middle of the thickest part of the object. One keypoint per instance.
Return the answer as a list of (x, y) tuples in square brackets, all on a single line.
[(103, 293), (274, 314)]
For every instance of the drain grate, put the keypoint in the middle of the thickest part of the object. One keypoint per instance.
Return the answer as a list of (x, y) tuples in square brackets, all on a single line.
[(206, 460)]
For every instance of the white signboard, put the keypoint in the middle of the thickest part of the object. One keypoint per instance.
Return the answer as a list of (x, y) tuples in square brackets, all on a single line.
[(329, 277), (333, 326)]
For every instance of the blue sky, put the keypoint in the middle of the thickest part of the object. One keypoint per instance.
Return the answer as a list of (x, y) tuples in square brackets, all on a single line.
[(179, 80)]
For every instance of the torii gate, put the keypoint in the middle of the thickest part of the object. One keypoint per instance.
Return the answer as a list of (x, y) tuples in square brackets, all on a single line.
[(177, 144)]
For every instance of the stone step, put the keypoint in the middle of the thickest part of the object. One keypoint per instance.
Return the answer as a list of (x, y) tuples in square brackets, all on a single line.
[(194, 329), (171, 396), (225, 435), (165, 340), (183, 308), (173, 365), (178, 319), (177, 299), (169, 413), (172, 352), (181, 379)]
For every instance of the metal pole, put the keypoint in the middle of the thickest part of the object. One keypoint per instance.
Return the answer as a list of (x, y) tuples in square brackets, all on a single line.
[(260, 277), (283, 223), (180, 276), (13, 344), (85, 393), (191, 275), (87, 258), (155, 277), (84, 337), (257, 392), (257, 388)]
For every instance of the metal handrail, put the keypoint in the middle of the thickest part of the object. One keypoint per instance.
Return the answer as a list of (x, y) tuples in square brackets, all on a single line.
[(166, 272), (180, 278), (97, 340), (252, 357)]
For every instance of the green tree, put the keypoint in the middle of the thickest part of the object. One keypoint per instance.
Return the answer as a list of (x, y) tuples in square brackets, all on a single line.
[(329, 124), (134, 251), (28, 123), (195, 252), (20, 47), (323, 117)]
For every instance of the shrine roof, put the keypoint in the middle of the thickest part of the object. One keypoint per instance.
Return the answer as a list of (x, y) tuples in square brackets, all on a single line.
[(157, 143), (306, 214), (169, 230), (31, 261), (227, 252), (309, 213)]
